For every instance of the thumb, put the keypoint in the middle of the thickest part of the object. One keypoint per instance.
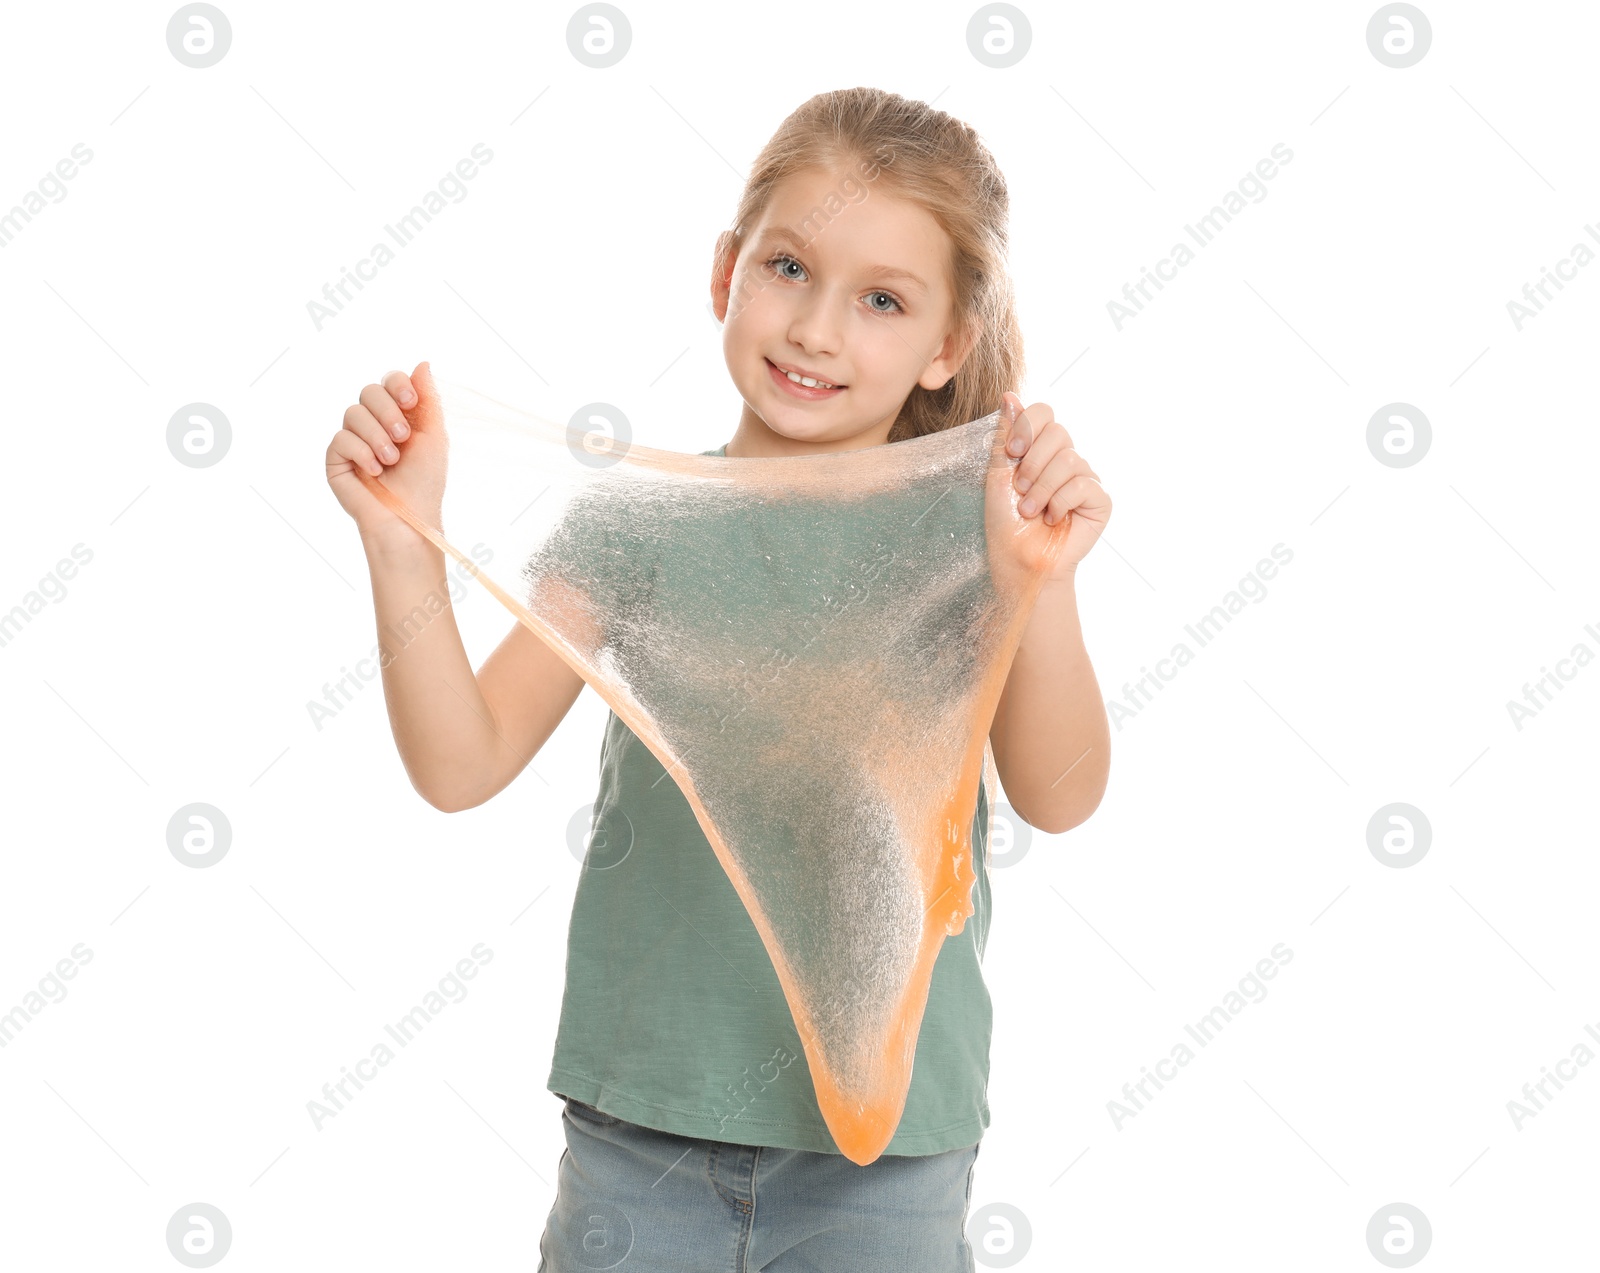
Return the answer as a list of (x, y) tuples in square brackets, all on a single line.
[(426, 416), (1019, 433)]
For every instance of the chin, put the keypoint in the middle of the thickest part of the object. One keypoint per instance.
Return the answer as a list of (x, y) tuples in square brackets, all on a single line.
[(795, 434)]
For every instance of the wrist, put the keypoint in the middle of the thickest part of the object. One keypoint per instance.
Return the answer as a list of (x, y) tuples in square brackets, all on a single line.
[(396, 542), (1062, 581)]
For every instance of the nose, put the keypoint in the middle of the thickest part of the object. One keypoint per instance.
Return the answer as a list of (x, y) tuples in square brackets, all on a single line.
[(815, 325)]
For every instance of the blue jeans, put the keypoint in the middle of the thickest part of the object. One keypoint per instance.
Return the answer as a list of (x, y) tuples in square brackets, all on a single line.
[(645, 1201)]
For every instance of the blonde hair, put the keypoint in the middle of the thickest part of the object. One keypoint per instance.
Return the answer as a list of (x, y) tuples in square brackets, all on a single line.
[(917, 153)]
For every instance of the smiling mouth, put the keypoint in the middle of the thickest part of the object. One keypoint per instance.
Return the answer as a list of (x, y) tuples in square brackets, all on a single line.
[(804, 381), (804, 386)]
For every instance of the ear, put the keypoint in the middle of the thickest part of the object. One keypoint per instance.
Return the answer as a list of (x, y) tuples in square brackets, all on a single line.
[(723, 259), (952, 354)]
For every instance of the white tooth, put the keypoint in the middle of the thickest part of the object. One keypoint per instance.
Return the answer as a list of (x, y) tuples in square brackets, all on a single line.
[(807, 381)]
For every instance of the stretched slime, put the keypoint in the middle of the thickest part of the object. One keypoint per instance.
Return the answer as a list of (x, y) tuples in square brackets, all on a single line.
[(813, 647)]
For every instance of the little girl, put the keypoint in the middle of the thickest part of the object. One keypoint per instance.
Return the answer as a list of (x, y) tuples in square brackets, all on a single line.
[(864, 299)]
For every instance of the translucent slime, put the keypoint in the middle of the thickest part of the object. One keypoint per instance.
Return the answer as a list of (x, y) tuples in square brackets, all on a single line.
[(813, 647)]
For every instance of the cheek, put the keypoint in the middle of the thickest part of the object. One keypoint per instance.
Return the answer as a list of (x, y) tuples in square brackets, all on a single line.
[(895, 351), (757, 310)]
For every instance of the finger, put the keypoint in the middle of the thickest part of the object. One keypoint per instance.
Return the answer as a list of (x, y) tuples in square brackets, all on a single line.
[(1060, 469), (427, 416), (1051, 442), (359, 420), (1043, 418), (1046, 459), (1032, 425), (1037, 419), (382, 407), (1020, 429), (1071, 496), (1032, 465), (351, 446), (401, 389)]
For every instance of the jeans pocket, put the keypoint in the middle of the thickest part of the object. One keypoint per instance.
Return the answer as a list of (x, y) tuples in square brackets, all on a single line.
[(589, 1114)]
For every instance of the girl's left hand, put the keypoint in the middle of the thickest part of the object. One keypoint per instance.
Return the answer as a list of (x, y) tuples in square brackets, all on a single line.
[(1054, 481)]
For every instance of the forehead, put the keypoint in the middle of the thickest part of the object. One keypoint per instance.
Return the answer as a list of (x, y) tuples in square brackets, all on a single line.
[(844, 221)]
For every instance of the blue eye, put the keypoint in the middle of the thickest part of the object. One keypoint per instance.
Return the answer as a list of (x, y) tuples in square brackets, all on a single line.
[(773, 261)]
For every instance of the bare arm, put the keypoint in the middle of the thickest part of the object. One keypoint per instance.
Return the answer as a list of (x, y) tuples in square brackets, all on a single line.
[(462, 738), (1051, 739)]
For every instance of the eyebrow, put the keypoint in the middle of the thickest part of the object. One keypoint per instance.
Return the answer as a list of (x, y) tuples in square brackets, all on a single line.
[(875, 271)]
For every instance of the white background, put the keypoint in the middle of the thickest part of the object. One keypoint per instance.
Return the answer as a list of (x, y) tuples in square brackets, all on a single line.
[(1228, 417)]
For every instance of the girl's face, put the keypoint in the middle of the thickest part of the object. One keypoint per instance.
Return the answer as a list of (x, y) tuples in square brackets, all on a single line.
[(852, 293)]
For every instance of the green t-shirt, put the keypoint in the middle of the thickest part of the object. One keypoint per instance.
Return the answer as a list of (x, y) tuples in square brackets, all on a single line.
[(672, 1016)]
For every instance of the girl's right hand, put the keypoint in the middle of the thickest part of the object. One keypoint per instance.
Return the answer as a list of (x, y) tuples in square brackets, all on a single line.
[(395, 433)]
